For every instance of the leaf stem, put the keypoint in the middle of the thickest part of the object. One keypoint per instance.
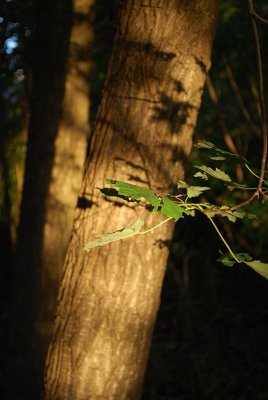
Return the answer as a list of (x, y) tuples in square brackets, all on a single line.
[(155, 227), (222, 238), (253, 173)]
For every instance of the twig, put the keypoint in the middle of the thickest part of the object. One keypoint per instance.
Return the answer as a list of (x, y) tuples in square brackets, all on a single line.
[(260, 92), (253, 17)]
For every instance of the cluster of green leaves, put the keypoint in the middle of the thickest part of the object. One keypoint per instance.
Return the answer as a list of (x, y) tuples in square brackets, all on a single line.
[(178, 206)]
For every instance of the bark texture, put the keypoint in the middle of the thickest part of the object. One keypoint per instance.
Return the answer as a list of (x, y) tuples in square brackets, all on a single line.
[(66, 175), (55, 159), (109, 298)]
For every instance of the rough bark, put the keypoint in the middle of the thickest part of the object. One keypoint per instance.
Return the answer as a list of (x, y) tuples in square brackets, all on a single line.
[(109, 298), (66, 176), (55, 158)]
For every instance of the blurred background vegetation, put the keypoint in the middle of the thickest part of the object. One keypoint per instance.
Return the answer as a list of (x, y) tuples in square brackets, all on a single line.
[(210, 341)]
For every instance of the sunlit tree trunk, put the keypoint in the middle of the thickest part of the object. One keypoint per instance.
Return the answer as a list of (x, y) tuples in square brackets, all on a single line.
[(109, 298), (55, 158), (66, 176)]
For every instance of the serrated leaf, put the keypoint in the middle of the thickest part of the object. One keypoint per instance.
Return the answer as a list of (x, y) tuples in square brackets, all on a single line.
[(226, 212), (136, 192), (171, 209), (113, 193), (225, 259), (201, 175), (229, 261), (243, 257), (189, 212), (192, 191), (258, 266), (203, 144), (217, 173), (131, 230)]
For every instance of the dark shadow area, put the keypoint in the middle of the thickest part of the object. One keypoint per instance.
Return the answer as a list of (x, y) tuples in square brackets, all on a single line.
[(175, 113), (148, 49), (211, 332), (83, 203)]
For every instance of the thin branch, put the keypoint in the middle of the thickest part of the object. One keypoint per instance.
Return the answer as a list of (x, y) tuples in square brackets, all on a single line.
[(245, 203), (254, 15), (259, 191), (261, 95), (222, 238)]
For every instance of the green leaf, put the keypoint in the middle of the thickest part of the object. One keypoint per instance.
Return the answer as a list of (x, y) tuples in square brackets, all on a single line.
[(244, 257), (189, 212), (131, 230), (201, 175), (192, 191), (258, 266), (225, 211), (203, 144), (217, 158), (237, 186), (136, 192), (217, 173), (229, 261), (171, 209)]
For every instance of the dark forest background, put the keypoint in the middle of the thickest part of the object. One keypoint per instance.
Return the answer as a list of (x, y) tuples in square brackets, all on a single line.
[(210, 340)]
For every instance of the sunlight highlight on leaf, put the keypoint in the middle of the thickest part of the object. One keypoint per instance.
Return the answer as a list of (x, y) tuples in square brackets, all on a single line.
[(192, 191), (136, 192), (129, 231), (171, 209), (259, 267), (217, 173)]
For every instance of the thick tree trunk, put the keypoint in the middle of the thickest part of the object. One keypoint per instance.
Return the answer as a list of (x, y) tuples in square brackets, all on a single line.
[(109, 298), (55, 160)]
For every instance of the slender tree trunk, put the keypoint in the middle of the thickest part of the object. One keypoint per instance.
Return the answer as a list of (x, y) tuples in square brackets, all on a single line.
[(66, 176), (109, 298), (55, 159)]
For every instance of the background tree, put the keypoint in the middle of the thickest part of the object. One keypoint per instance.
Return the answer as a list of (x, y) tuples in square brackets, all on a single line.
[(109, 299), (55, 156)]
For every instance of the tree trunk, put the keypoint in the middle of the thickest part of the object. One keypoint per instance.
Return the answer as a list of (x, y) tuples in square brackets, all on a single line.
[(55, 158), (109, 298), (66, 176)]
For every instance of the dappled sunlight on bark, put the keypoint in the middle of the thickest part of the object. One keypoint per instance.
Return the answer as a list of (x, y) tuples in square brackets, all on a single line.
[(109, 298)]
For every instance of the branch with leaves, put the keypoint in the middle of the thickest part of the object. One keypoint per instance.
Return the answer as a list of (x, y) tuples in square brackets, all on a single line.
[(181, 205)]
